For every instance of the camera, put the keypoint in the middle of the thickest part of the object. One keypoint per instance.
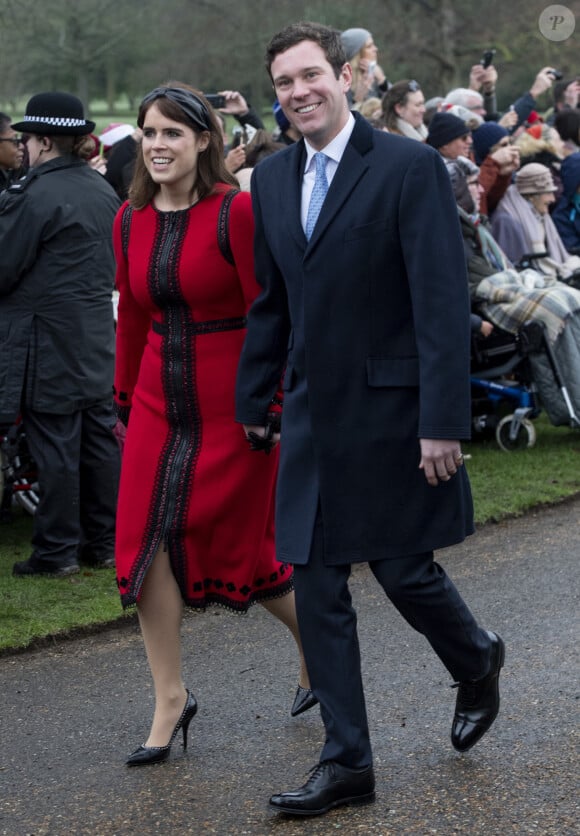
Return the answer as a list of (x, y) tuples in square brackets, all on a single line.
[(487, 58), (556, 74), (215, 100)]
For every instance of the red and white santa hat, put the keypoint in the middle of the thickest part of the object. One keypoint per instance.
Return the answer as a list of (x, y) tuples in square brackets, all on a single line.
[(114, 133)]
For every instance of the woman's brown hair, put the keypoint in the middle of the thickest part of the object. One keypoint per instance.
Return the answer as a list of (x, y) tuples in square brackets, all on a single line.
[(211, 168)]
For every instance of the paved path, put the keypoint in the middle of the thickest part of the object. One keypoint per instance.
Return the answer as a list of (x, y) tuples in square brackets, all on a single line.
[(72, 712)]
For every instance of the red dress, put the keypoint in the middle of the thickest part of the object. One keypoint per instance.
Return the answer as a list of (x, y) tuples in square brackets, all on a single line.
[(189, 480)]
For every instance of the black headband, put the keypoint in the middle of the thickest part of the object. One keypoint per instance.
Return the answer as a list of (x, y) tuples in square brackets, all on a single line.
[(190, 104)]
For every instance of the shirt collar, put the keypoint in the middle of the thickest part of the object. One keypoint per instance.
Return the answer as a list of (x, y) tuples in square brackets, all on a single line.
[(335, 148)]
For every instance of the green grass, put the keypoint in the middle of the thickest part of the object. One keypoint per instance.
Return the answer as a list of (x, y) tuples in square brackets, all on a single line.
[(504, 484), (509, 484), (34, 608)]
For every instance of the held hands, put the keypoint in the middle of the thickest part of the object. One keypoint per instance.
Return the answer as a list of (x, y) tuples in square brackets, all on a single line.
[(440, 459), (261, 438)]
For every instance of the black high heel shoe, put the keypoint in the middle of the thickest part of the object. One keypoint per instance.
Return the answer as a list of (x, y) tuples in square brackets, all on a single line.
[(303, 700), (144, 755)]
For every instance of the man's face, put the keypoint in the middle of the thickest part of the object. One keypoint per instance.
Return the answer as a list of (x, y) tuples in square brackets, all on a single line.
[(475, 104), (11, 152), (310, 95)]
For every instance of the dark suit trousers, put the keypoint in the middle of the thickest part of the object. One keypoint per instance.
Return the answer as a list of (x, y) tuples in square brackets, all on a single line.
[(78, 462), (425, 597)]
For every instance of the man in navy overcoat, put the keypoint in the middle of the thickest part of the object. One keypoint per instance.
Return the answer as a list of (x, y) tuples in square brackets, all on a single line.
[(368, 318)]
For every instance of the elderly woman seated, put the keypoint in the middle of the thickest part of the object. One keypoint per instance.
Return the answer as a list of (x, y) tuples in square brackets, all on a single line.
[(522, 224), (508, 298)]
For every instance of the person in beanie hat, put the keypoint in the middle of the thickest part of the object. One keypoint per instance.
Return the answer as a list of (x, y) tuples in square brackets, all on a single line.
[(353, 41), (449, 135), (368, 77), (498, 160), (485, 138), (57, 271)]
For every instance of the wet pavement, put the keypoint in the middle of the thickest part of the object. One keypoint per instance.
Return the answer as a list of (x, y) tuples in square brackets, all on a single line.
[(72, 711)]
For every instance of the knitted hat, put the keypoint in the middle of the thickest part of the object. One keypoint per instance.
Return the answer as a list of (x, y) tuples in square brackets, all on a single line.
[(444, 128), (114, 133), (353, 41), (534, 178), (280, 116), (485, 137), (471, 119), (59, 114)]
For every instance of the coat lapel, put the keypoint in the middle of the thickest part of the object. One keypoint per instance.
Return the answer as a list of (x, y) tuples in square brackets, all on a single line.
[(291, 192)]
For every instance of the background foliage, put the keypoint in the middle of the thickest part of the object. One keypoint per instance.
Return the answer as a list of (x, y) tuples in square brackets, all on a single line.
[(115, 50)]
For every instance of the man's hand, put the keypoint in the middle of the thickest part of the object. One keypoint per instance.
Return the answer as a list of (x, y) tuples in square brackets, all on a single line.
[(482, 79), (440, 459), (509, 120)]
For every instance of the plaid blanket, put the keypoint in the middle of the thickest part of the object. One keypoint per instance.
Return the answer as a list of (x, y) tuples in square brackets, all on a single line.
[(508, 299)]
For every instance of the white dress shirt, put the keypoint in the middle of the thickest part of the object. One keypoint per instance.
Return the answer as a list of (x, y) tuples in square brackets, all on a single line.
[(334, 151)]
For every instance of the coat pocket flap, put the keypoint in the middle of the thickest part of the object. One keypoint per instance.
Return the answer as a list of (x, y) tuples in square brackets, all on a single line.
[(393, 371)]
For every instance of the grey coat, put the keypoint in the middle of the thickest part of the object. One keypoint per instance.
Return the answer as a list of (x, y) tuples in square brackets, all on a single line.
[(57, 273)]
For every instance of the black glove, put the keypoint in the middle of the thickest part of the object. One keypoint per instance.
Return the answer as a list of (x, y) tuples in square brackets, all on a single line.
[(263, 443)]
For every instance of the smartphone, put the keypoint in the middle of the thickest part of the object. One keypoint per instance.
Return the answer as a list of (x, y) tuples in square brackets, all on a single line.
[(238, 137), (216, 100), (487, 58)]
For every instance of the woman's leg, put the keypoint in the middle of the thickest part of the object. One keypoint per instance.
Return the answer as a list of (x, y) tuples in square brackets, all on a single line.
[(284, 609), (160, 610)]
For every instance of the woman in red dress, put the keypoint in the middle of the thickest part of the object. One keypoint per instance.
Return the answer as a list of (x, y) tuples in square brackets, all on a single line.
[(195, 514)]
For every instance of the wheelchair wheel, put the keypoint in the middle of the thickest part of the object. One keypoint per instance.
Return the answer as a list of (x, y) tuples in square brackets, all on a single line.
[(525, 437)]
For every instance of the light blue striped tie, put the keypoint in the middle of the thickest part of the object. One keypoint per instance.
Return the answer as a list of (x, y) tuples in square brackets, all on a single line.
[(318, 193)]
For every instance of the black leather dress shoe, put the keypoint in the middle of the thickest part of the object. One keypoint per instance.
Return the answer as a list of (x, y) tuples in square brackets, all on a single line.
[(35, 566), (330, 785), (303, 700), (478, 701)]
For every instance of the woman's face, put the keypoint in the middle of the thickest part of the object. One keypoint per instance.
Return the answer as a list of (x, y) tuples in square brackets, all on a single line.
[(557, 142), (369, 51), (171, 150), (475, 190), (542, 202), (414, 108)]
